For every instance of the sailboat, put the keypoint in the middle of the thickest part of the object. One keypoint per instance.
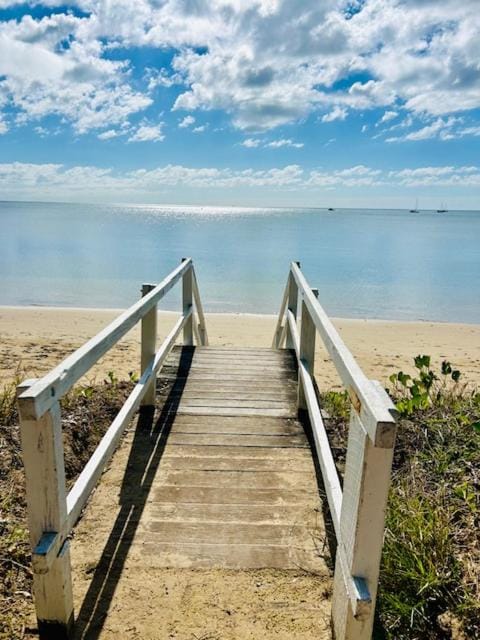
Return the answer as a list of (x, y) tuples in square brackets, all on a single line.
[(415, 210), (443, 208)]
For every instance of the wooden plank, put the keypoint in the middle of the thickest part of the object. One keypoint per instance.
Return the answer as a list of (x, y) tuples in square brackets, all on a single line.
[(224, 356), (219, 495), (216, 513), (185, 385), (237, 450), (225, 394), (236, 463), (230, 556), (370, 405), (231, 513), (235, 479), (36, 400), (232, 367), (238, 429), (242, 421), (194, 376), (224, 532), (215, 440), (42, 451), (236, 403), (234, 411)]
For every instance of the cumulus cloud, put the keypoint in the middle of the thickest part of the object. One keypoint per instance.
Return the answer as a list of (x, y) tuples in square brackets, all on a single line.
[(50, 180), (439, 128), (108, 135), (148, 133), (263, 62), (186, 122), (387, 116), (337, 113), (253, 143)]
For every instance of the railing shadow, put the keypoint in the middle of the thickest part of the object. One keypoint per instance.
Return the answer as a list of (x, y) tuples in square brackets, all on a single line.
[(147, 449)]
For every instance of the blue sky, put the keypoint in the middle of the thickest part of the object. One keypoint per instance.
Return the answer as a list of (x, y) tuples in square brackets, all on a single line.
[(334, 103)]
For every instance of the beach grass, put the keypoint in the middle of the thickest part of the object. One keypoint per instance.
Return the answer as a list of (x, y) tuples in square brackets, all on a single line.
[(429, 583)]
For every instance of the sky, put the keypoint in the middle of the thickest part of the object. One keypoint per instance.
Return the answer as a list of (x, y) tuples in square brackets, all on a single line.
[(360, 103)]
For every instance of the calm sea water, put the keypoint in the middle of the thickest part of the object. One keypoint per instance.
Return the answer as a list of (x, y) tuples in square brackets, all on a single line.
[(366, 263)]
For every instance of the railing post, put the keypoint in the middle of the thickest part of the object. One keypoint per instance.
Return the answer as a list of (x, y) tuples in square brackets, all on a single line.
[(42, 450), (149, 344), (362, 522), (292, 305), (187, 300), (308, 333)]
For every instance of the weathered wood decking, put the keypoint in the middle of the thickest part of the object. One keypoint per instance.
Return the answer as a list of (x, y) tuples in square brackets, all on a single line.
[(235, 486)]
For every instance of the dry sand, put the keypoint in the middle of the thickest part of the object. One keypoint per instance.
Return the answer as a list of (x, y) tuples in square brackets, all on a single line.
[(34, 339)]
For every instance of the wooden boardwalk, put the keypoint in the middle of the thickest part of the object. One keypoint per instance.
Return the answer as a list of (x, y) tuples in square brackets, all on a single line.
[(218, 475), (235, 486)]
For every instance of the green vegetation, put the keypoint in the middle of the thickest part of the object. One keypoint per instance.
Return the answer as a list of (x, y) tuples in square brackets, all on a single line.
[(429, 584), (87, 411)]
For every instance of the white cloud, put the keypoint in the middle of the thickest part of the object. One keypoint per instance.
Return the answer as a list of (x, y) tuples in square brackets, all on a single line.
[(200, 129), (108, 135), (337, 113), (284, 142), (439, 128), (3, 127), (251, 143), (54, 180), (265, 63), (387, 116), (148, 133), (186, 122)]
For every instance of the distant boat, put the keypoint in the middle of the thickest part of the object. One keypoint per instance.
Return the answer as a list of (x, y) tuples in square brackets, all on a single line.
[(330, 209), (415, 209), (443, 209)]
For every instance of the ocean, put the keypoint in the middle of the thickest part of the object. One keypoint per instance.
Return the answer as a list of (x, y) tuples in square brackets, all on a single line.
[(366, 263)]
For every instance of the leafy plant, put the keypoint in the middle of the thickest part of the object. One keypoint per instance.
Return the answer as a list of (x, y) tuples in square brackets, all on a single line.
[(426, 387)]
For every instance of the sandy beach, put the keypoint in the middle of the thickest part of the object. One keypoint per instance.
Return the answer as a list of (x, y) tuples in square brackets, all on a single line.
[(34, 339)]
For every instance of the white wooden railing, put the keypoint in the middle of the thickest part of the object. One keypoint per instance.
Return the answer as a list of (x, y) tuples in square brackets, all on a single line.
[(51, 512), (357, 512)]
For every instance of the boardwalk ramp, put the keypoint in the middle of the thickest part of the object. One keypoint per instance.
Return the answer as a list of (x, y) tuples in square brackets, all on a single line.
[(208, 521)]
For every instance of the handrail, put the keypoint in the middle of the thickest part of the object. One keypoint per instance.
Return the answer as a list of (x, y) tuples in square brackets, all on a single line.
[(376, 416), (51, 512), (358, 511), (45, 392)]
